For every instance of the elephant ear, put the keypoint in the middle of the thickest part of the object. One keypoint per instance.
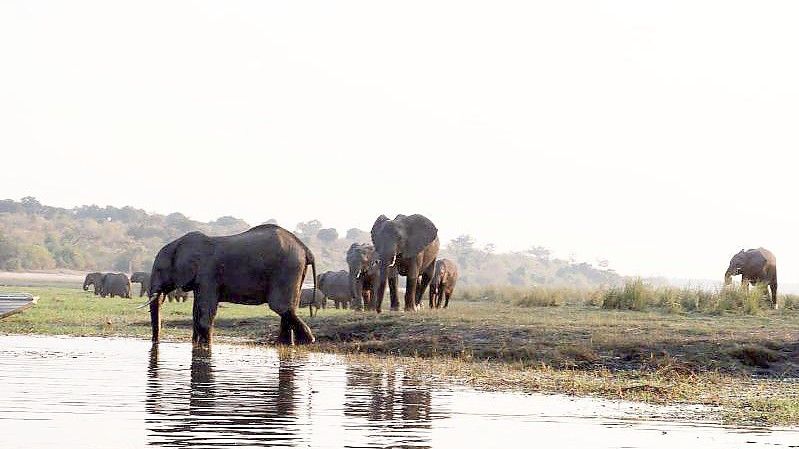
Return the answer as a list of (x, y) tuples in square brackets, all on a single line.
[(187, 255), (419, 232), (352, 254), (381, 220)]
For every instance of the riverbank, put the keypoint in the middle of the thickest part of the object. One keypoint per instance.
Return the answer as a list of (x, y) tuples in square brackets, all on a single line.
[(746, 365)]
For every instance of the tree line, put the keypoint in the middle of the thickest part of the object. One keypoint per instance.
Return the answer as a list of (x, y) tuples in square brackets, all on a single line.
[(34, 236)]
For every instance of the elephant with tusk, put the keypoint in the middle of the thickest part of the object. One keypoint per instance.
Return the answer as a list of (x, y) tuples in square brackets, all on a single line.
[(264, 265), (408, 244), (754, 265)]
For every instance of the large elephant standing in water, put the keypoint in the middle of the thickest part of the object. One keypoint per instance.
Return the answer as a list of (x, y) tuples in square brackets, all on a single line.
[(264, 265), (409, 244), (754, 265)]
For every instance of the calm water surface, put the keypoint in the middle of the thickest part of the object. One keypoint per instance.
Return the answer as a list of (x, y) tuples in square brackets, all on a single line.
[(121, 393)]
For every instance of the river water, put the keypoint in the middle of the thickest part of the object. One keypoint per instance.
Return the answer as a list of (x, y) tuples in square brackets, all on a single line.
[(122, 393)]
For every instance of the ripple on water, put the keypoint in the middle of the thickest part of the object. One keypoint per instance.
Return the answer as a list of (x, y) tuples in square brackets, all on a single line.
[(93, 392)]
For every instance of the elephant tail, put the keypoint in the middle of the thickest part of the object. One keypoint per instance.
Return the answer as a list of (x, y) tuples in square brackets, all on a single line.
[(310, 260)]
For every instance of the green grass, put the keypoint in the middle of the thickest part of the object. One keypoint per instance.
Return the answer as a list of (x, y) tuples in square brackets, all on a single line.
[(551, 341), (637, 295)]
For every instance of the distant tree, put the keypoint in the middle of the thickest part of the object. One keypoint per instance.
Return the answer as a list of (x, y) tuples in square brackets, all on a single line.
[(31, 205), (518, 276), (539, 253), (463, 249), (358, 235), (83, 238), (179, 223), (308, 229), (9, 206), (327, 235), (227, 220)]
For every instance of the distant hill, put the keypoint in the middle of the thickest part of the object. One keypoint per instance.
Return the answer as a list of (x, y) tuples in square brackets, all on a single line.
[(86, 238)]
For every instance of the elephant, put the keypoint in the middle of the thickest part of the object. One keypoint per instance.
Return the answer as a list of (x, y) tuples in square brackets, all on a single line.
[(94, 279), (263, 265), (115, 284), (364, 275), (445, 277), (142, 278), (177, 295), (313, 298), (754, 265), (409, 243), (336, 286)]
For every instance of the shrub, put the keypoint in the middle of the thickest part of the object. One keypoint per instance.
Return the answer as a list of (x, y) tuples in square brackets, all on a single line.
[(634, 295)]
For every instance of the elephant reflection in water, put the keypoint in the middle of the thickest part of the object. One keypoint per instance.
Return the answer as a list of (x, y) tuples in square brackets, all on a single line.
[(389, 397), (216, 404)]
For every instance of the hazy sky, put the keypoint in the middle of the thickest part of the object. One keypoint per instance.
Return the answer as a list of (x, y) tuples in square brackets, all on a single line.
[(659, 135)]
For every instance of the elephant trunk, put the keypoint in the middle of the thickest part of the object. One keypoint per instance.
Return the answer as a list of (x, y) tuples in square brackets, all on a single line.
[(381, 288), (155, 315), (728, 276), (354, 278)]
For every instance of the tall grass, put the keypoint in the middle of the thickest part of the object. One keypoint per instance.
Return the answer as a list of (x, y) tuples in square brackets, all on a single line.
[(636, 295), (530, 296)]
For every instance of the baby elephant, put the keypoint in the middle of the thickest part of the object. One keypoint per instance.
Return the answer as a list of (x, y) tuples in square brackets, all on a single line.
[(307, 299), (336, 286), (443, 283), (177, 295)]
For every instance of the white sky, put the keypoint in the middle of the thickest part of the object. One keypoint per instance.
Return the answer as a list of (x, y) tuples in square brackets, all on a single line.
[(659, 135)]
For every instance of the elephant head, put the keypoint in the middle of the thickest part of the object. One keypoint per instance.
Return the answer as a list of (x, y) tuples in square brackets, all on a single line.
[(736, 266), (361, 259), (402, 238), (177, 263), (95, 279), (175, 266)]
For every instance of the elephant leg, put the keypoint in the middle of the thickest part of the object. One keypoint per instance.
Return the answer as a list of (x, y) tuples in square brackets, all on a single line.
[(302, 333), (203, 313), (155, 317), (367, 299), (448, 295), (284, 335), (392, 293), (356, 292), (744, 284), (427, 276), (773, 287), (412, 278), (289, 321)]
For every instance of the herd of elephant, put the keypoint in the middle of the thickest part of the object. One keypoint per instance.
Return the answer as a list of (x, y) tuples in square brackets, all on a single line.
[(268, 264), (118, 284), (358, 287)]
